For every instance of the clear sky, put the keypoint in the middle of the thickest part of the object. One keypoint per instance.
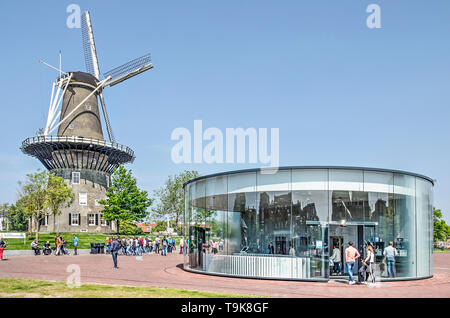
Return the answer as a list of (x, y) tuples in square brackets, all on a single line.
[(340, 93)]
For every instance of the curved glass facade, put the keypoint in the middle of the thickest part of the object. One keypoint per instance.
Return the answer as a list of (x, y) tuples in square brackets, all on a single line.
[(284, 225)]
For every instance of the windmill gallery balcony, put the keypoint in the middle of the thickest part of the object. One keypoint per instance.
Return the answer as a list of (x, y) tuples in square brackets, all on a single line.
[(59, 152)]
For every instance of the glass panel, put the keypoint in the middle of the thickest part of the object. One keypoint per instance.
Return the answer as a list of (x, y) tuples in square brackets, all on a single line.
[(310, 218), (242, 216), (274, 206), (347, 196), (216, 213), (404, 237), (424, 226), (197, 233), (379, 220)]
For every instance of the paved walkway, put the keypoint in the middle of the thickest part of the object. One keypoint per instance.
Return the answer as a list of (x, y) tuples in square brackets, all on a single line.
[(155, 270)]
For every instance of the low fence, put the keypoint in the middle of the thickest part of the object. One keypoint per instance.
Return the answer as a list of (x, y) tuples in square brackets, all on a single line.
[(257, 266)]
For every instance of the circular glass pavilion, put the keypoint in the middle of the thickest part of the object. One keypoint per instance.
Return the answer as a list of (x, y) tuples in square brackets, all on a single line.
[(284, 224)]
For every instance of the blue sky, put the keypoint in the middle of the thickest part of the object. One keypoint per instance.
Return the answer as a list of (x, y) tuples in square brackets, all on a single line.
[(340, 93)]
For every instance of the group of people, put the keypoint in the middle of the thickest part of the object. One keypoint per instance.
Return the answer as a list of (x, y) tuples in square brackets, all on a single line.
[(60, 247), (137, 246), (367, 270), (211, 247)]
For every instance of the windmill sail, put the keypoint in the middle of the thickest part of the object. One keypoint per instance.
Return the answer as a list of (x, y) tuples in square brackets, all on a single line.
[(90, 53), (130, 69)]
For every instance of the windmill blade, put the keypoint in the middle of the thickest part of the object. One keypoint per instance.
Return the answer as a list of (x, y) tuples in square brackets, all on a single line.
[(105, 116), (130, 69), (90, 53)]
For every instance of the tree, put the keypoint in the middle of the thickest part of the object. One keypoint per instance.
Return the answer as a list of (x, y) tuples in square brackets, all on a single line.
[(59, 195), (42, 194), (125, 202), (441, 229), (16, 218), (171, 197)]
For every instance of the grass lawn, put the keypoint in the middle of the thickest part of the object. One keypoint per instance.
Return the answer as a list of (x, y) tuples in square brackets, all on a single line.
[(84, 240), (28, 288), (438, 250)]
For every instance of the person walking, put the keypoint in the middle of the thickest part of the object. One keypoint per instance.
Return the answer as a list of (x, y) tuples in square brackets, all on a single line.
[(369, 261), (157, 242), (2, 248), (181, 244), (58, 243), (115, 246), (389, 253), (351, 254), (164, 247), (214, 247), (75, 244), (336, 258)]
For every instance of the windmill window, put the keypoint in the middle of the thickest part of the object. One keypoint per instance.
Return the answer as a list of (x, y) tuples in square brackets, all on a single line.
[(88, 106), (75, 177), (71, 126), (82, 198)]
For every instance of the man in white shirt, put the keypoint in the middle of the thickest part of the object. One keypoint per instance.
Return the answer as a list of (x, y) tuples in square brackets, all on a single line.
[(389, 253)]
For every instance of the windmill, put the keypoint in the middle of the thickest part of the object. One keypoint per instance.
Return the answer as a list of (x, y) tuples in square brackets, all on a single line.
[(72, 144)]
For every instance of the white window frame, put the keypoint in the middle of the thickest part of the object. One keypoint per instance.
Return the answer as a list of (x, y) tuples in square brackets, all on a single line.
[(76, 173), (83, 203), (96, 202), (102, 220), (93, 219), (74, 218)]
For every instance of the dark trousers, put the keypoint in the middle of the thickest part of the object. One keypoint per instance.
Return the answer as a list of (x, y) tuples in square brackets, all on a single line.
[(114, 256), (75, 250)]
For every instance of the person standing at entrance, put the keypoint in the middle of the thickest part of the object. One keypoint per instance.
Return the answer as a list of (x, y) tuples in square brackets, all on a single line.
[(115, 246), (389, 253), (336, 258), (351, 254)]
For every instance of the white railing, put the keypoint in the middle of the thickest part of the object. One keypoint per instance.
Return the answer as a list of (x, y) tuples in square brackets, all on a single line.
[(257, 266), (76, 139)]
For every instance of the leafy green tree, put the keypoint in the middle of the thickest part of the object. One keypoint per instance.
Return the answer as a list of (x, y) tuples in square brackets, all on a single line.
[(42, 194), (125, 202), (33, 196), (160, 226), (441, 229), (171, 197), (129, 228), (16, 218), (59, 195)]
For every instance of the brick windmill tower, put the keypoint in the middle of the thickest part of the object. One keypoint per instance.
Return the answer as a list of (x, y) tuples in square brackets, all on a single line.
[(73, 147)]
